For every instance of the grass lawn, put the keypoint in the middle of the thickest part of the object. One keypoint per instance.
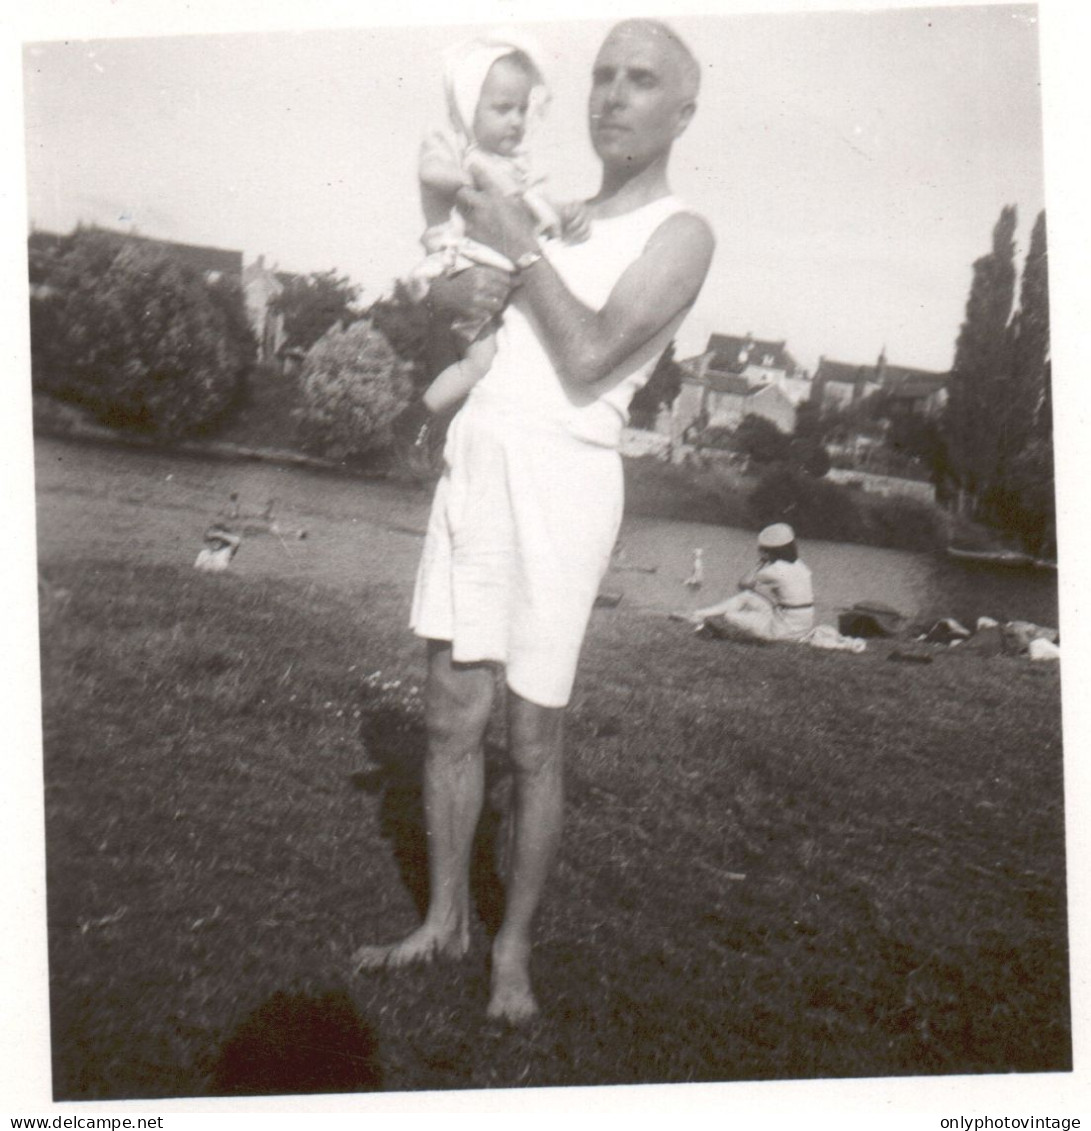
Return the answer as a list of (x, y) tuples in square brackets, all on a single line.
[(778, 863)]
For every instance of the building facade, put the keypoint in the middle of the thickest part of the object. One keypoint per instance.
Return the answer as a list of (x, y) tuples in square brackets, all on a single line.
[(736, 377), (906, 391)]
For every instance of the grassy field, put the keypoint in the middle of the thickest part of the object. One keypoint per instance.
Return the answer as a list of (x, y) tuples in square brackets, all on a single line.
[(778, 863)]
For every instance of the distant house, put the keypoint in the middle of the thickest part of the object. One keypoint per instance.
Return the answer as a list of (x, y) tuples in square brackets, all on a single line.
[(773, 403), (758, 361), (736, 377), (921, 392), (839, 384), (728, 400), (725, 399), (913, 392)]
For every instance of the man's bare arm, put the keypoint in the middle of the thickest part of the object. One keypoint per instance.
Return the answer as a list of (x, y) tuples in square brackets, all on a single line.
[(588, 345)]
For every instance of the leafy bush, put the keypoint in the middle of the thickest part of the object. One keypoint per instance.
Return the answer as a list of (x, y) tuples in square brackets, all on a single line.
[(658, 392), (311, 304), (815, 508), (654, 489), (809, 456), (836, 513), (761, 440), (718, 438), (135, 336), (415, 333), (901, 523), (354, 385), (226, 294)]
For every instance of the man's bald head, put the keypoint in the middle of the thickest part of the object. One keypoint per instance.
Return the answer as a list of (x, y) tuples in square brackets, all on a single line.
[(688, 69)]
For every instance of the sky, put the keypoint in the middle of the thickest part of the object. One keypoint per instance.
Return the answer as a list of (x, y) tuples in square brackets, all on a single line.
[(852, 164)]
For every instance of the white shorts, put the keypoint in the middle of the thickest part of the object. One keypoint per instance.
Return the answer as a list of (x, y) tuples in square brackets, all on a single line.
[(523, 523)]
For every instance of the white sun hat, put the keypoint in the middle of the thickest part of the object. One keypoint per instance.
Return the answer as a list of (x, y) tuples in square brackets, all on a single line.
[(775, 536)]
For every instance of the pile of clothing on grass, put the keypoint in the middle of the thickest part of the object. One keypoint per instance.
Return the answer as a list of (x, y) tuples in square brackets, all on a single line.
[(992, 638), (871, 619)]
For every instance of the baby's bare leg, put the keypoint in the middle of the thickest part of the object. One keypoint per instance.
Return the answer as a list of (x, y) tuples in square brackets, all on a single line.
[(458, 379)]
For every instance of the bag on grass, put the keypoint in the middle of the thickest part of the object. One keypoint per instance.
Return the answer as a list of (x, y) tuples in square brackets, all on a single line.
[(870, 618)]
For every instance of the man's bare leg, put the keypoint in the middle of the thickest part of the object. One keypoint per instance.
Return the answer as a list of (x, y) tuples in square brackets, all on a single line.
[(458, 699), (536, 748)]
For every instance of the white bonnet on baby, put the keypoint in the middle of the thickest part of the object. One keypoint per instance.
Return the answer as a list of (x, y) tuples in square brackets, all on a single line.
[(466, 67)]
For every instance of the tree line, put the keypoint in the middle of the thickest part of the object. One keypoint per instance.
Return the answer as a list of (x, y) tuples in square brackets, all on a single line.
[(997, 459), (145, 342)]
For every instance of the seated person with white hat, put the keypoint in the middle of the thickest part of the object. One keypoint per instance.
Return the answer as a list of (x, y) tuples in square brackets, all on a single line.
[(775, 599)]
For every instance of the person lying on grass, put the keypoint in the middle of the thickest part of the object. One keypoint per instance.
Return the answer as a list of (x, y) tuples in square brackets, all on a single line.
[(528, 508), (775, 599)]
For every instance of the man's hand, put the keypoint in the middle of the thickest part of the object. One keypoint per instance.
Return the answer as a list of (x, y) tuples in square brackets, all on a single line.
[(586, 345), (502, 222), (476, 292), (575, 221)]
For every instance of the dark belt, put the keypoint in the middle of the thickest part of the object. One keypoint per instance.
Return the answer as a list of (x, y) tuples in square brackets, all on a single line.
[(808, 605)]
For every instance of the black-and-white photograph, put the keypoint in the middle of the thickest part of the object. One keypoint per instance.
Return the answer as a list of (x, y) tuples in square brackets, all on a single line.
[(547, 554)]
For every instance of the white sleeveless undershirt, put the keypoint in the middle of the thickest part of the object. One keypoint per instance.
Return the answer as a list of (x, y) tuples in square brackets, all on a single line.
[(523, 380)]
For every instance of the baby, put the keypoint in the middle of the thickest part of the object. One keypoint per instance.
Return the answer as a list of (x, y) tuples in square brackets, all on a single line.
[(494, 88)]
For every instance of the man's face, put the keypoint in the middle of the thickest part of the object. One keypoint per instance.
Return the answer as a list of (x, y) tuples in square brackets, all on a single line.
[(638, 103)]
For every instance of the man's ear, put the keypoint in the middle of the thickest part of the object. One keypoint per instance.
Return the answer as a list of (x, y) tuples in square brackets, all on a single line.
[(685, 116)]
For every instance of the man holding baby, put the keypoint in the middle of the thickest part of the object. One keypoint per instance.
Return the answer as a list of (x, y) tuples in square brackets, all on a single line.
[(528, 508)]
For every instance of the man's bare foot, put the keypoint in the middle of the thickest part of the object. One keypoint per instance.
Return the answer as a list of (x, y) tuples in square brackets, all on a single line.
[(511, 998), (423, 945)]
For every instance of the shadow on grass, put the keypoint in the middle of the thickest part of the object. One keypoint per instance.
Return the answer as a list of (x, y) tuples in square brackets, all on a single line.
[(395, 739), (299, 1044)]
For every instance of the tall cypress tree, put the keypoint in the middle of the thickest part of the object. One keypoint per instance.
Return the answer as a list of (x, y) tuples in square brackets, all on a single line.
[(1030, 341), (660, 391), (1027, 497), (974, 422)]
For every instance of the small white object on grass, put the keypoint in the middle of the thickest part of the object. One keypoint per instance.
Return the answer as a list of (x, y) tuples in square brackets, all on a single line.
[(697, 578), (1042, 649)]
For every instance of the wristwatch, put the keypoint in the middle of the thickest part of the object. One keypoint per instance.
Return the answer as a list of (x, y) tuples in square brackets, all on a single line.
[(527, 259)]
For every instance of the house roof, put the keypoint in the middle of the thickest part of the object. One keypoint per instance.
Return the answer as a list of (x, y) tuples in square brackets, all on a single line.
[(843, 372), (731, 354), (771, 392), (896, 374), (197, 256), (898, 380), (903, 383)]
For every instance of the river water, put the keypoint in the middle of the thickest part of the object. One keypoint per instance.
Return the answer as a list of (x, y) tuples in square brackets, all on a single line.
[(157, 504), (919, 585)]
